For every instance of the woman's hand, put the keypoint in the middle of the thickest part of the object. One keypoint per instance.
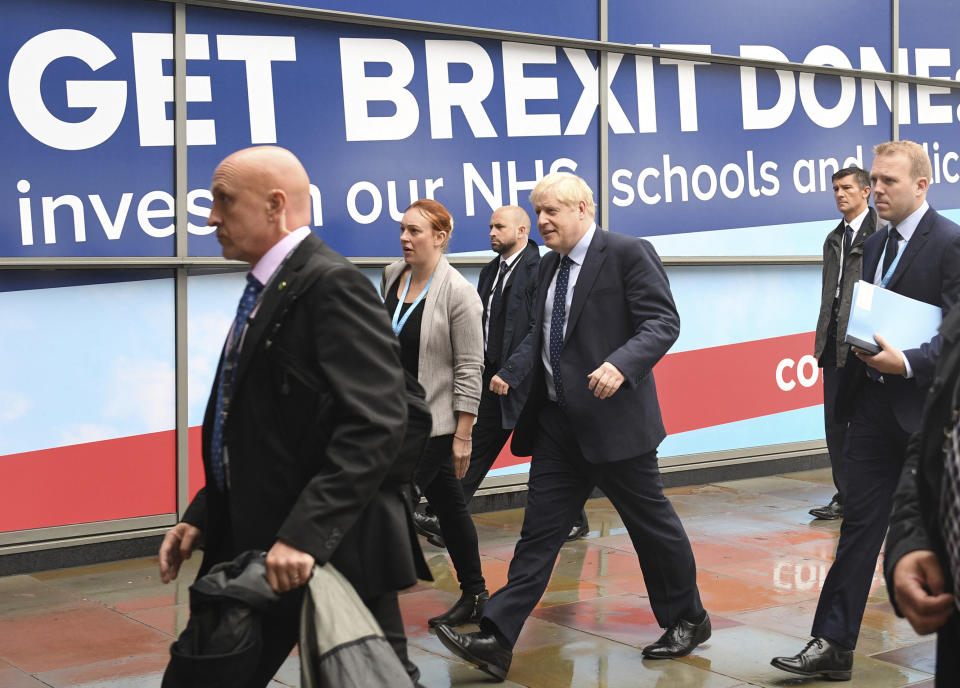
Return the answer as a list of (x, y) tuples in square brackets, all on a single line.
[(462, 448)]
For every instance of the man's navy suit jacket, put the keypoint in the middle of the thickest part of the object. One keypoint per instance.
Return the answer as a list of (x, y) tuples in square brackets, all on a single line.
[(622, 312), (929, 271), (521, 293)]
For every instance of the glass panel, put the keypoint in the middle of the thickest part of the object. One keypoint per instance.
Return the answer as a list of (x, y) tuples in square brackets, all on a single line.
[(87, 167), (391, 117), (721, 160), (747, 337), (86, 397), (560, 17)]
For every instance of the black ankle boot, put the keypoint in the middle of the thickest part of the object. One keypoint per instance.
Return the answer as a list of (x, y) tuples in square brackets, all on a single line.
[(468, 609)]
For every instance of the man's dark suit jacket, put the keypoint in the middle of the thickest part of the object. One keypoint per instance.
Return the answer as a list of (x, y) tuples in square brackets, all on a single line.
[(521, 291), (852, 269), (915, 520), (317, 415), (929, 271), (622, 312)]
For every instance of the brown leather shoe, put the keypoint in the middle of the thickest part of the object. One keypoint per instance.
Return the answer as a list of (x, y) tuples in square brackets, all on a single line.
[(821, 657)]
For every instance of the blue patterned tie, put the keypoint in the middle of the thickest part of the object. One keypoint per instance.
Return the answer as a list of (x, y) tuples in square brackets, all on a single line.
[(225, 381), (556, 326)]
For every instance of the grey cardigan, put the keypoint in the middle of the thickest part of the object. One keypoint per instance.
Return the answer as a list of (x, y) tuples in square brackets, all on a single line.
[(451, 344)]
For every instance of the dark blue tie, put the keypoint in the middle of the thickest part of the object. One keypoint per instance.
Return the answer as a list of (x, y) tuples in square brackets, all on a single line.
[(494, 319), (225, 382), (556, 326), (893, 240)]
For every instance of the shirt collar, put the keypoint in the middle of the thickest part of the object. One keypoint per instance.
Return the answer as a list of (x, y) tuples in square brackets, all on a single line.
[(856, 222), (579, 252), (512, 259), (909, 224), (265, 268)]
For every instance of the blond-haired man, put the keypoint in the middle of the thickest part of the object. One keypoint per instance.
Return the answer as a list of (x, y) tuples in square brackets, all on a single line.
[(602, 317), (917, 255)]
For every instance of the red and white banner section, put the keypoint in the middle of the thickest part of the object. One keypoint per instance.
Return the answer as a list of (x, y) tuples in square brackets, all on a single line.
[(136, 476), (84, 483), (720, 385)]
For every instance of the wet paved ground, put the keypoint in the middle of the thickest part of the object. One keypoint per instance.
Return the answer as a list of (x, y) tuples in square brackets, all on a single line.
[(761, 562)]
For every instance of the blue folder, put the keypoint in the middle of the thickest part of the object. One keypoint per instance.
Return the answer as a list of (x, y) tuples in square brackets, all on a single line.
[(903, 322)]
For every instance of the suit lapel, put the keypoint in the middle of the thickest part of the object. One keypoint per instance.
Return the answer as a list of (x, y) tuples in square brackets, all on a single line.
[(282, 286), (592, 262), (872, 251), (919, 238)]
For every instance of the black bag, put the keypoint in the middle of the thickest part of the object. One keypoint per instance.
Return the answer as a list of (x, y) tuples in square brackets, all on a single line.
[(220, 647)]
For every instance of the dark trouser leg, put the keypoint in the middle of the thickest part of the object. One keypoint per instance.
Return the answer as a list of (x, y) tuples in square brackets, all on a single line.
[(488, 440), (557, 489), (280, 633), (386, 609), (663, 550), (833, 430), (874, 455), (438, 482), (948, 660)]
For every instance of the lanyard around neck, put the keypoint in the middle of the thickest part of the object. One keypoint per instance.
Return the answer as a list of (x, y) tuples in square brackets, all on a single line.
[(399, 322), (893, 266)]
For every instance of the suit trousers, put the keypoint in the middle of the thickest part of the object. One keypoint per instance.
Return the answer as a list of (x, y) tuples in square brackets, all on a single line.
[(874, 454), (282, 631), (948, 659), (438, 482), (835, 432), (560, 481)]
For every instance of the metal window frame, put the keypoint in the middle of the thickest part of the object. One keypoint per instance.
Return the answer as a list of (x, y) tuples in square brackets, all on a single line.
[(182, 264)]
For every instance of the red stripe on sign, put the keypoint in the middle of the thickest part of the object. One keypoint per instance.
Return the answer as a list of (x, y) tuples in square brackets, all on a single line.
[(136, 476), (723, 384), (83, 483)]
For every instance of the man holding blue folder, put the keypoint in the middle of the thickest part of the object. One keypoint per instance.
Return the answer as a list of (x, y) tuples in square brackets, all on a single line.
[(918, 256)]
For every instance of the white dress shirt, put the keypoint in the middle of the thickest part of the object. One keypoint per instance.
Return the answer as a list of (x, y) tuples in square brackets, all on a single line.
[(576, 255)]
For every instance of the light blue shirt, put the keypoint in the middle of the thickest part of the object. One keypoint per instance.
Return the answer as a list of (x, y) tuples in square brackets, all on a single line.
[(577, 255)]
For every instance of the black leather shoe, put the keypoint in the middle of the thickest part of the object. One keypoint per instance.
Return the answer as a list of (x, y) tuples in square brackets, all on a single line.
[(480, 649), (679, 640), (821, 657), (830, 512), (428, 527), (468, 609), (580, 529)]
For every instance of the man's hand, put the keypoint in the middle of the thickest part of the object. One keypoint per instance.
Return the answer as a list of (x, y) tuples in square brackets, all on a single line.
[(177, 546), (288, 567), (918, 590), (888, 360), (462, 449), (605, 380), (498, 386)]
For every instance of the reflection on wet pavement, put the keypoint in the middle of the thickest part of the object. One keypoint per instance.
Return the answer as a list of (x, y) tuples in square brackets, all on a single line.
[(761, 563)]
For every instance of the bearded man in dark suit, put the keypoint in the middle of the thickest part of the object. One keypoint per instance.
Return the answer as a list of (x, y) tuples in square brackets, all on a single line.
[(305, 417)]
